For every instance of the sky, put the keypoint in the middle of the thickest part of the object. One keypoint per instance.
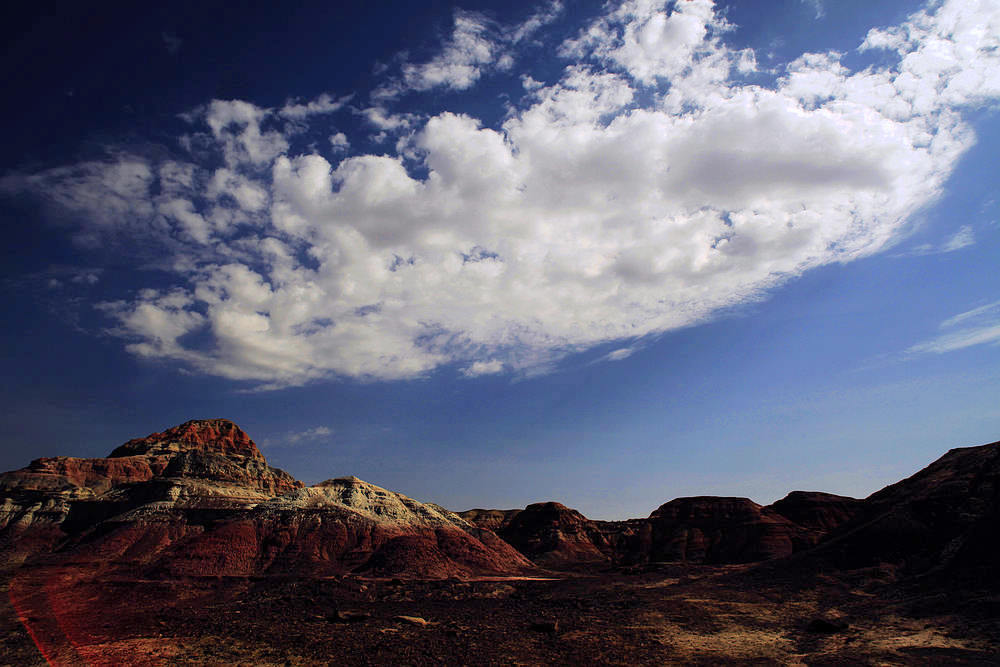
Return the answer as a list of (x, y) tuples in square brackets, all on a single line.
[(493, 253)]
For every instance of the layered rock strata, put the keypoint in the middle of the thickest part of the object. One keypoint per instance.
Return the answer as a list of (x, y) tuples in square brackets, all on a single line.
[(200, 499)]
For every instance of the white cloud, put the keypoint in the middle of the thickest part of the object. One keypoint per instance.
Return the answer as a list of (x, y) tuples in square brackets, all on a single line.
[(491, 367), (819, 10), (236, 125), (608, 205), (535, 22), (963, 238), (476, 47), (294, 438), (339, 141), (620, 354), (314, 433), (324, 104), (649, 42), (979, 326), (461, 62)]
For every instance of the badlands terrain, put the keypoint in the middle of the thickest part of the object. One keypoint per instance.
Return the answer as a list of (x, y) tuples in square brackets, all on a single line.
[(186, 547)]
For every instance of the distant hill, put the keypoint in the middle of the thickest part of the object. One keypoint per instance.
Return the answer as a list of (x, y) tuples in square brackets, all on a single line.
[(200, 499)]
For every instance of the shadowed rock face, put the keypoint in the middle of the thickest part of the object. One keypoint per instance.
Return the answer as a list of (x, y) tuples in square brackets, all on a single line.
[(708, 529), (945, 517), (820, 512), (705, 529), (199, 499)]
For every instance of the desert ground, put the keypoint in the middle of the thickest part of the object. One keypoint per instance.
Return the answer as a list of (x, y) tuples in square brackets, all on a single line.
[(769, 614)]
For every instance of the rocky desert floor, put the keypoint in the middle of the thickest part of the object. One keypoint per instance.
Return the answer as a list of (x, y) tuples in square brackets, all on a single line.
[(661, 614)]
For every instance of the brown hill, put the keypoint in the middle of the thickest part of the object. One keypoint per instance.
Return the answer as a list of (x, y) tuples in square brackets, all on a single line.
[(552, 534), (495, 520), (819, 512), (200, 499), (704, 529), (709, 529)]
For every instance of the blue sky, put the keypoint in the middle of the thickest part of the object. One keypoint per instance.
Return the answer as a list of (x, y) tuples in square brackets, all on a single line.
[(488, 253)]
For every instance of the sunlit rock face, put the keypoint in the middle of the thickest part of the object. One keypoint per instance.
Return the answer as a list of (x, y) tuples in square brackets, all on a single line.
[(218, 436), (200, 499)]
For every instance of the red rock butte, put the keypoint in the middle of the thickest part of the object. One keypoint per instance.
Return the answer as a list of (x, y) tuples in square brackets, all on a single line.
[(218, 436)]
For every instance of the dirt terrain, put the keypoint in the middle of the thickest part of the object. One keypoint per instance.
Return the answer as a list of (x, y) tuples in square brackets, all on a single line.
[(657, 614), (186, 547)]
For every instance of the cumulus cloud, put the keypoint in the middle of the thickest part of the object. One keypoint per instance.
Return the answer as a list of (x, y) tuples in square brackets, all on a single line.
[(339, 141), (979, 326), (647, 188)]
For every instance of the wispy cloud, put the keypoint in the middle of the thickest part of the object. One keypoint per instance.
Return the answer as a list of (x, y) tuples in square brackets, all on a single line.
[(818, 7), (171, 42), (979, 326), (620, 354), (292, 438), (963, 238), (324, 104)]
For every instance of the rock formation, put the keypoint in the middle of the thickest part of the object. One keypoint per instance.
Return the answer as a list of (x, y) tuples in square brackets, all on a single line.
[(705, 529), (708, 529), (816, 511), (553, 535), (495, 520), (943, 519), (200, 499)]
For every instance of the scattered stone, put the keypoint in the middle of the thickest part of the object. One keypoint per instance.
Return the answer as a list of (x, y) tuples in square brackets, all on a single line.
[(413, 620)]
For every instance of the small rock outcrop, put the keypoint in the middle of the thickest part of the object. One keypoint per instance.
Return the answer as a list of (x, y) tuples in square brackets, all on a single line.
[(819, 512), (216, 436), (554, 535)]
